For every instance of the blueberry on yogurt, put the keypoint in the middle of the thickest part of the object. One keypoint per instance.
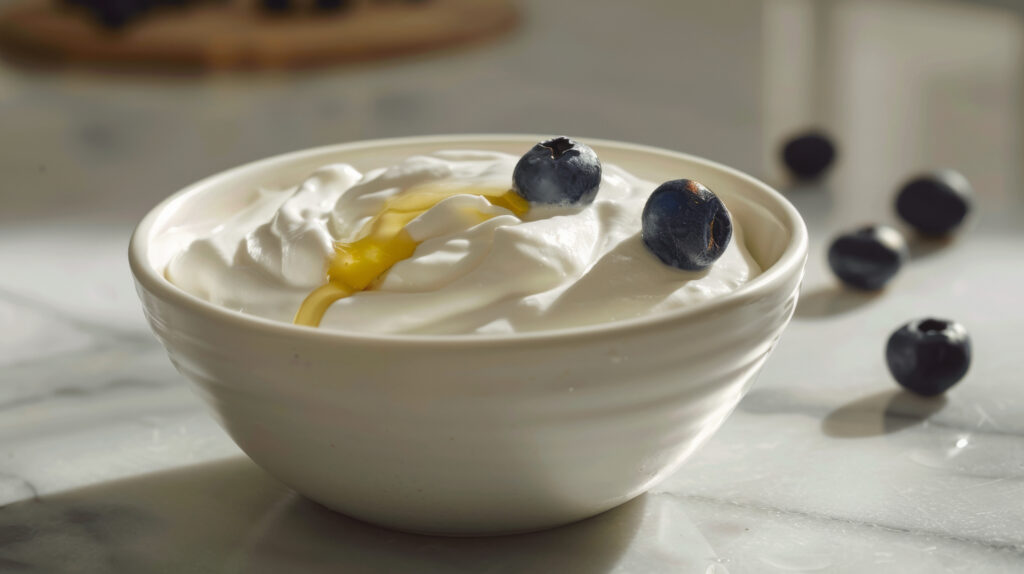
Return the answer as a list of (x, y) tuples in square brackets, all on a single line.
[(685, 225), (558, 171), (868, 257), (928, 356)]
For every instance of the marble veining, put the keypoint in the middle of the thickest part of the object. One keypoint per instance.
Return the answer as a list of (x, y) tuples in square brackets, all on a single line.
[(1014, 548)]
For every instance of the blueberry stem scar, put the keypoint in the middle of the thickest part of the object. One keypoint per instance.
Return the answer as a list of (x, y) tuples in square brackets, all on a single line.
[(558, 147), (933, 325)]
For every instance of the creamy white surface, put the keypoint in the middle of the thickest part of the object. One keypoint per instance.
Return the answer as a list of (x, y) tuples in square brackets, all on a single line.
[(557, 267)]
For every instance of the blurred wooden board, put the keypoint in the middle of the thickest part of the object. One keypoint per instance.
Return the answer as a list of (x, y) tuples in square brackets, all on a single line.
[(238, 34)]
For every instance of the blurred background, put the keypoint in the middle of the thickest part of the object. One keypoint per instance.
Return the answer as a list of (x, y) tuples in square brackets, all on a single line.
[(902, 85), (87, 148)]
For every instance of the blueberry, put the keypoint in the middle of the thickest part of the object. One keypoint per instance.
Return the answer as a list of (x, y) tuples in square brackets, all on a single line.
[(276, 6), (685, 225), (331, 5), (558, 171), (928, 356), (116, 14), (808, 155), (868, 257), (935, 203)]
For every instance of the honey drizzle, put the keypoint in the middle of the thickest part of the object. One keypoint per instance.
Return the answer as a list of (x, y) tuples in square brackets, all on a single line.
[(358, 264)]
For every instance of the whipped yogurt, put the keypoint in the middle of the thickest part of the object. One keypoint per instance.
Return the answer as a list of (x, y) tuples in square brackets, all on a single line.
[(556, 267)]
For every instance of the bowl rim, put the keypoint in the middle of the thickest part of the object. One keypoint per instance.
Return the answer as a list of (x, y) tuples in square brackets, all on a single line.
[(790, 262)]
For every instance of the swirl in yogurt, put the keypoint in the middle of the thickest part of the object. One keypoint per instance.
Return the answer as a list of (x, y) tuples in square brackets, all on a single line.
[(470, 264)]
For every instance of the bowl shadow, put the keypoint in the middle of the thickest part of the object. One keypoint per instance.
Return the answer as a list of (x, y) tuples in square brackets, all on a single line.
[(230, 516), (831, 300), (332, 542), (921, 247), (882, 413)]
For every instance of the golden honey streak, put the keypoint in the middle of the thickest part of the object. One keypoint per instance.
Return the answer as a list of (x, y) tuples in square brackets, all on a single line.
[(356, 265)]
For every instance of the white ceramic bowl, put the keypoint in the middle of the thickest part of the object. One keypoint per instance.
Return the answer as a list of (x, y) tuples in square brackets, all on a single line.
[(474, 434)]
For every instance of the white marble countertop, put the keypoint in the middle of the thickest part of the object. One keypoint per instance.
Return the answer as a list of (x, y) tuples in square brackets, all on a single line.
[(108, 463)]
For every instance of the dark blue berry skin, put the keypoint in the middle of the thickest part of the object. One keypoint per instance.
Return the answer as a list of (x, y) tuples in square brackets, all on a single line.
[(928, 356), (685, 225), (808, 155), (935, 203), (868, 257), (559, 171), (114, 15), (331, 5), (276, 6)]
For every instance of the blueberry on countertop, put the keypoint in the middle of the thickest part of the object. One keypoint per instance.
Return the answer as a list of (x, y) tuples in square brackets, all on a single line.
[(935, 203), (868, 257), (808, 155), (685, 225), (558, 171), (928, 356)]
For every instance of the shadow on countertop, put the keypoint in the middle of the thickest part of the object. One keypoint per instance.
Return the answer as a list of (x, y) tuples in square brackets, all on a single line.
[(230, 516), (881, 413), (831, 300), (327, 540), (923, 247)]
